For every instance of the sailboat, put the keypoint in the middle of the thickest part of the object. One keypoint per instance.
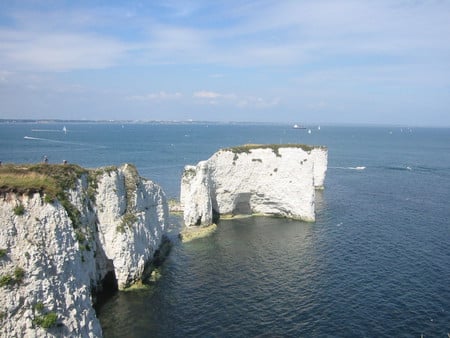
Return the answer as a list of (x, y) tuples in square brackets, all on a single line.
[(64, 130)]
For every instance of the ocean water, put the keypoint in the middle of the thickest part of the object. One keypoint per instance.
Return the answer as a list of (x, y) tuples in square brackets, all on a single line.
[(376, 263)]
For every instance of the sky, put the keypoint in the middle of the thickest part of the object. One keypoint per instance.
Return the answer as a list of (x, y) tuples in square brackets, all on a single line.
[(321, 61)]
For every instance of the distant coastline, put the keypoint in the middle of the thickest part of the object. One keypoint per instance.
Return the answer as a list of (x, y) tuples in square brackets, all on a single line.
[(47, 121), (159, 122), (205, 122)]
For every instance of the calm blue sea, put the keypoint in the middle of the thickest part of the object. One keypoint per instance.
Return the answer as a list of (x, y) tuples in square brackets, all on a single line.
[(376, 263)]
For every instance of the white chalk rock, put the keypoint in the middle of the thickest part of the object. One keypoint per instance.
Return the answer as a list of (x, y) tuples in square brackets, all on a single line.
[(254, 179), (52, 260), (132, 213)]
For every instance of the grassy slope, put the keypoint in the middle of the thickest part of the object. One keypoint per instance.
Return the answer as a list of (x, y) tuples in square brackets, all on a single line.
[(51, 179), (246, 148)]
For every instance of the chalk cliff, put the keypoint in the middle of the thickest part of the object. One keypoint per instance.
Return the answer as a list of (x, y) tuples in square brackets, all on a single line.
[(56, 247), (254, 179)]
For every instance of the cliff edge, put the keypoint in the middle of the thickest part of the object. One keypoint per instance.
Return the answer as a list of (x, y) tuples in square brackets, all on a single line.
[(254, 179), (65, 231)]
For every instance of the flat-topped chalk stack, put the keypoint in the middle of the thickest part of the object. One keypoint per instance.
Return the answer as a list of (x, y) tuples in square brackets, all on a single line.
[(278, 179)]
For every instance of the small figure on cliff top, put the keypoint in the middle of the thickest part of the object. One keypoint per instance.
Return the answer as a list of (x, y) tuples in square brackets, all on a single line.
[(45, 159)]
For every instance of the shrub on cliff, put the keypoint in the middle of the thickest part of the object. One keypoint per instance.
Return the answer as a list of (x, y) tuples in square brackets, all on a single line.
[(46, 321), (11, 279), (19, 210)]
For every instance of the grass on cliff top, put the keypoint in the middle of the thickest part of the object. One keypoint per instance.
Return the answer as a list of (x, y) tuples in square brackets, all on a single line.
[(51, 179), (246, 148)]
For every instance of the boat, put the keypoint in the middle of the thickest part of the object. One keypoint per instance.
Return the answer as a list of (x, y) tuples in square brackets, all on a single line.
[(64, 130), (296, 126)]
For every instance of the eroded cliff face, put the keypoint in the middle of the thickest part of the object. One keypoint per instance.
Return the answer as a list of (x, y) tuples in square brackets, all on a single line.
[(54, 255), (254, 179)]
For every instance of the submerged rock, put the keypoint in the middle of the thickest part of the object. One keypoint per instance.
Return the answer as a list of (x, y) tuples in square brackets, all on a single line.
[(254, 179), (60, 241), (190, 233)]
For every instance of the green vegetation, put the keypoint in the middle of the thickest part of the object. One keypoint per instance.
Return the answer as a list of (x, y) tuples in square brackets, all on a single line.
[(39, 306), (50, 179), (53, 180), (3, 253), (83, 244), (19, 273), (139, 285), (44, 320), (11, 279), (128, 220), (6, 280), (191, 233), (48, 199), (247, 148), (80, 237), (93, 180), (190, 172), (100, 171), (73, 213), (19, 210), (131, 183)]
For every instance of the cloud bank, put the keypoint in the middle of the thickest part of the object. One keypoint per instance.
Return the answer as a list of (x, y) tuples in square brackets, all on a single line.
[(377, 57)]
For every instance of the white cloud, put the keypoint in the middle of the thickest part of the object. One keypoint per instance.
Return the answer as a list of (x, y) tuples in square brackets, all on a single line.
[(241, 101), (204, 94), (160, 96), (255, 54), (57, 51), (257, 102), (255, 33)]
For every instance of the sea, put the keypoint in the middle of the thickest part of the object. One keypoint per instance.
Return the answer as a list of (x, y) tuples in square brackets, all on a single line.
[(376, 263)]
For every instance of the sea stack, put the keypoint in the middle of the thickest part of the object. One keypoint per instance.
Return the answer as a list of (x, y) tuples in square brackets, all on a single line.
[(278, 180), (65, 232)]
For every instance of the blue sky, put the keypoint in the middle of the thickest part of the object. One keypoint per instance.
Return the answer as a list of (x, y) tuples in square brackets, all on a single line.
[(321, 61)]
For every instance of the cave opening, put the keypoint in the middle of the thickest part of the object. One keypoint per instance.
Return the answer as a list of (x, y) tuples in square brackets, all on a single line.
[(107, 288), (242, 204)]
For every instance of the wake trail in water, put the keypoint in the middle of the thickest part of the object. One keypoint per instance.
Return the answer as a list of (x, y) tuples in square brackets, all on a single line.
[(48, 130), (62, 142), (399, 168), (348, 168)]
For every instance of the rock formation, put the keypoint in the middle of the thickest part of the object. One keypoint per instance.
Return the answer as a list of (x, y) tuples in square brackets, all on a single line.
[(254, 179), (57, 245)]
